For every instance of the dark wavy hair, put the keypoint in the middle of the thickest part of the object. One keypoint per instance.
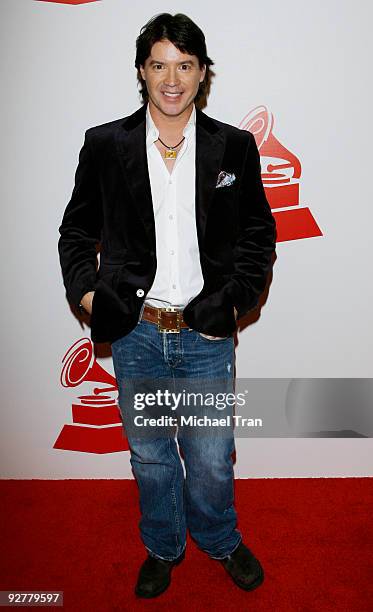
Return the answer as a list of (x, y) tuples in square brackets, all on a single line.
[(186, 36)]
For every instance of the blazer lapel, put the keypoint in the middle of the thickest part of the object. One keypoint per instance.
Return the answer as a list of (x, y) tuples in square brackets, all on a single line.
[(131, 149), (210, 145)]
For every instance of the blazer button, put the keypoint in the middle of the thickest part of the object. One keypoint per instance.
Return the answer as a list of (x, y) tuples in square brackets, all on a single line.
[(140, 292)]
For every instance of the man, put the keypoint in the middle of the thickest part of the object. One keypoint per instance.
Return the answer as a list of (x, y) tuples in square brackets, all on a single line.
[(176, 200)]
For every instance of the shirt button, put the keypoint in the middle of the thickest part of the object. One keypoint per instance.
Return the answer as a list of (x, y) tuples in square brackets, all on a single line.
[(140, 292), (173, 286), (172, 252)]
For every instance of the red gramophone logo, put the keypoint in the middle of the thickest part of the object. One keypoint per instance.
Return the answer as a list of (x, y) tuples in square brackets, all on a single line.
[(281, 172), (68, 1), (97, 425)]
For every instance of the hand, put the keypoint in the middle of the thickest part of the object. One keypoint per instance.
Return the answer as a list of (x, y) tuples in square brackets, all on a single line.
[(219, 337), (211, 337), (86, 301)]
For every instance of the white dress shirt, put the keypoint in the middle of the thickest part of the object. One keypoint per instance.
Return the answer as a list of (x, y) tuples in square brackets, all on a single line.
[(178, 276)]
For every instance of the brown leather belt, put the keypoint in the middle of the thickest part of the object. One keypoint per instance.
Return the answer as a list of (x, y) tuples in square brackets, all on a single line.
[(168, 319)]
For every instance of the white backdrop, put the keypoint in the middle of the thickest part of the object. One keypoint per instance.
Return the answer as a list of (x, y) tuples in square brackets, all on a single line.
[(66, 68)]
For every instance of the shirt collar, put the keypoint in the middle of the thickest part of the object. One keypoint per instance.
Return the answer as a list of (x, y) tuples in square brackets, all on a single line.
[(152, 132)]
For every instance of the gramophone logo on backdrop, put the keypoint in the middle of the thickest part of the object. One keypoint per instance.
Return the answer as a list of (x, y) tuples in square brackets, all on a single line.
[(68, 1), (97, 425), (281, 171)]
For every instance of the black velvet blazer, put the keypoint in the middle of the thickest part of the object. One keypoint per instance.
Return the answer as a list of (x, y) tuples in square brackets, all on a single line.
[(111, 208)]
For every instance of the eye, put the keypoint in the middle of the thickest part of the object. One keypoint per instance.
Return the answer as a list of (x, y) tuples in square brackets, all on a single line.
[(185, 67), (157, 66)]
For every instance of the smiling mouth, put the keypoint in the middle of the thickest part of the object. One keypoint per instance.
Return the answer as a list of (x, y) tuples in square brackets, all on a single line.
[(172, 94)]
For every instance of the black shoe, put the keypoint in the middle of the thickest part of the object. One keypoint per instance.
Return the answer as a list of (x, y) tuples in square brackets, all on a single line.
[(155, 576), (244, 568)]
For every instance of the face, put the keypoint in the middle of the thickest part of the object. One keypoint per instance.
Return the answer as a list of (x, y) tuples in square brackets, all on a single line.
[(172, 78)]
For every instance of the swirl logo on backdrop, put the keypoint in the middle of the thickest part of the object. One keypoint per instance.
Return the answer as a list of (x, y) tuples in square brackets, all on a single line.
[(96, 421), (281, 172)]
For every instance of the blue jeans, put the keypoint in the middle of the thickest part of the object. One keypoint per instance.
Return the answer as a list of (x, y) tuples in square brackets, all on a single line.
[(169, 503)]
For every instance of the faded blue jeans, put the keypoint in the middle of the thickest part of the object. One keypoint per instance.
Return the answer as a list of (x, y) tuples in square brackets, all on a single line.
[(169, 503)]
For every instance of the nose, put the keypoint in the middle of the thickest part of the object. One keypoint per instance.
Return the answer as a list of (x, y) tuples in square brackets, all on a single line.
[(172, 78)]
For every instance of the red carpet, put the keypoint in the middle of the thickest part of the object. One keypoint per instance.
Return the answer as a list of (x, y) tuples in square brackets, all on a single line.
[(314, 538)]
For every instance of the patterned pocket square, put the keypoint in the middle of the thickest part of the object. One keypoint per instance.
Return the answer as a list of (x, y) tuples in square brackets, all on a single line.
[(225, 179)]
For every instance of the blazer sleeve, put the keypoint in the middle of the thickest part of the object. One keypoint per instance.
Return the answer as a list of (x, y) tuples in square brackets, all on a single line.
[(256, 240), (80, 229)]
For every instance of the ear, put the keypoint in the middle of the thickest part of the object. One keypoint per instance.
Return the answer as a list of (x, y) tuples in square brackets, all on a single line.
[(203, 73), (142, 72)]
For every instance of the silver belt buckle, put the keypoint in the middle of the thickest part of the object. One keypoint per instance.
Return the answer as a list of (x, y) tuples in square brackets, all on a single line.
[(169, 330)]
